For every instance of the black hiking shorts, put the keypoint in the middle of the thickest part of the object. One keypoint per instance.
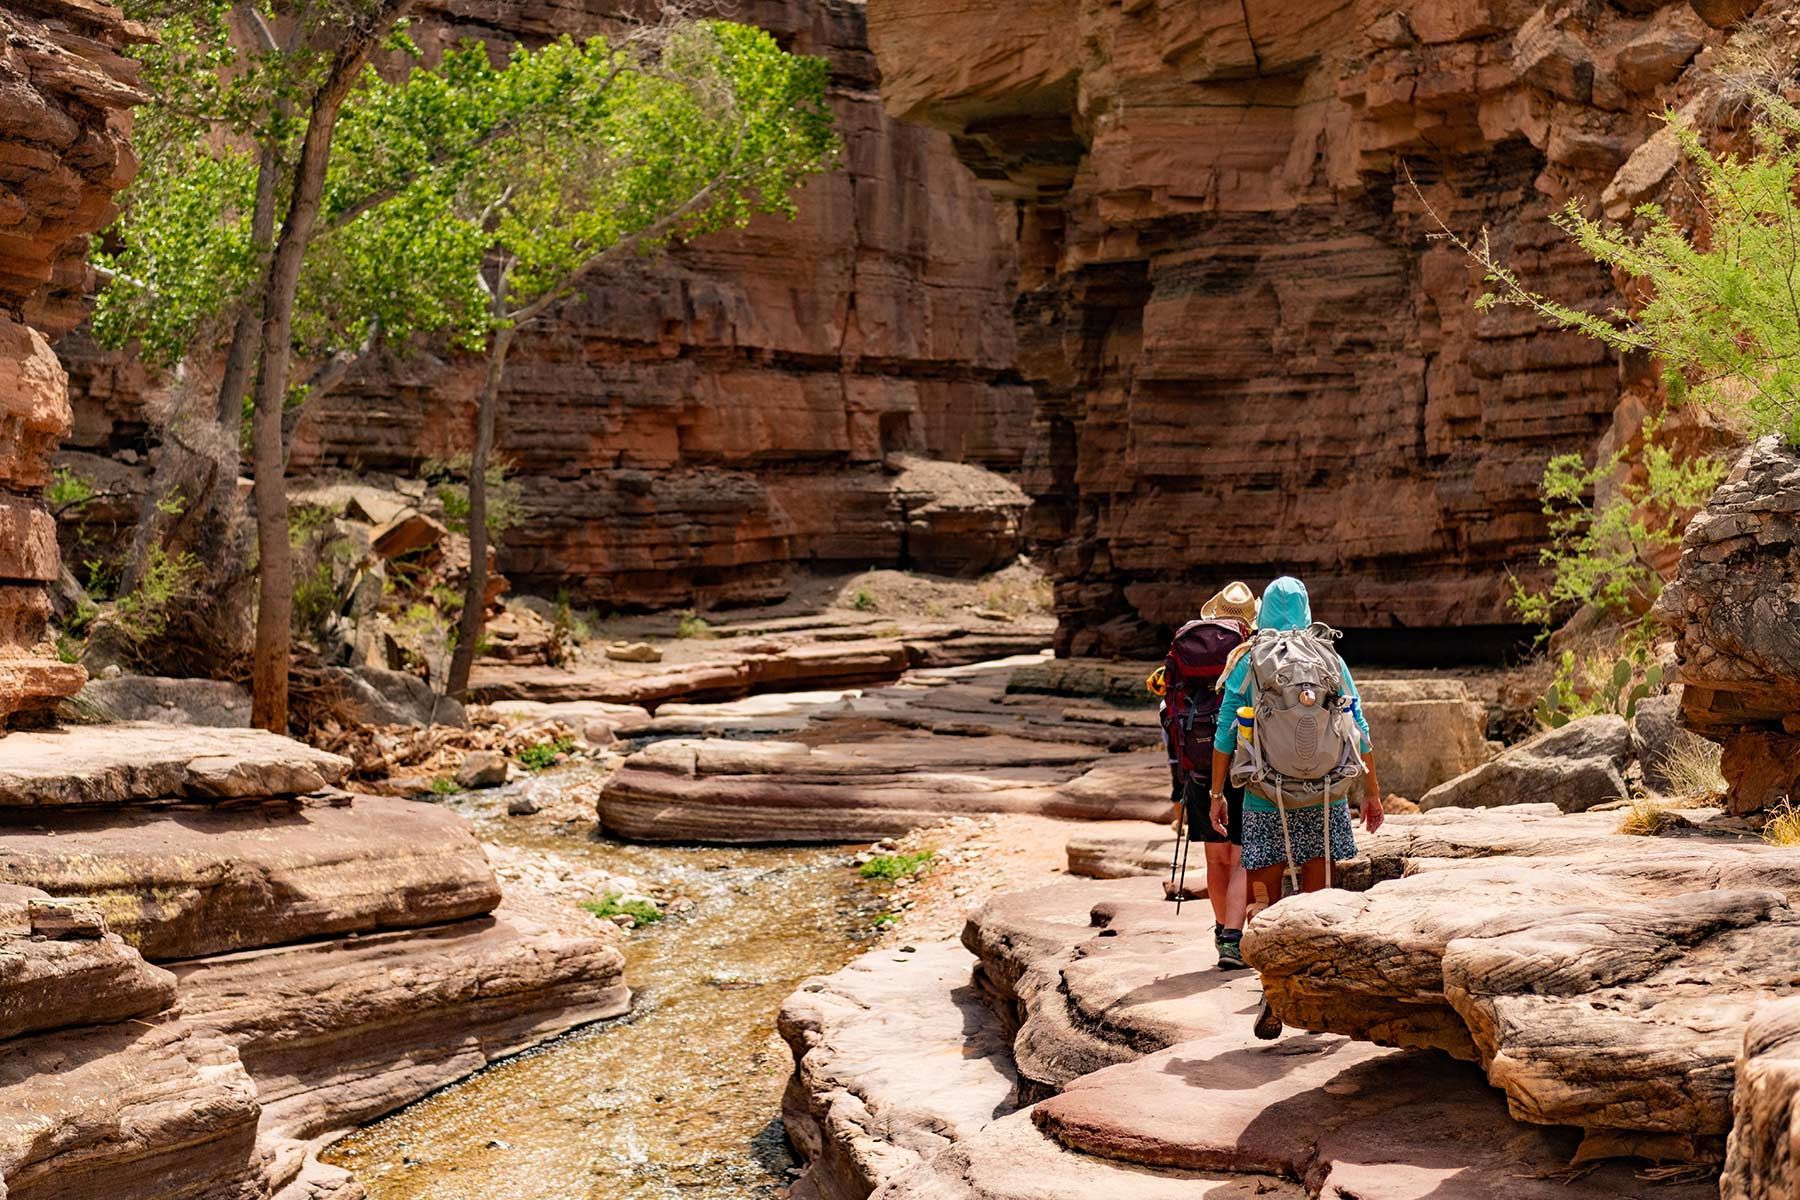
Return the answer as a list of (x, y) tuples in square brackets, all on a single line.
[(1199, 807)]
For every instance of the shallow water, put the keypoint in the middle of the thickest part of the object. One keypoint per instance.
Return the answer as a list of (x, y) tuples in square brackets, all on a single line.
[(676, 1099)]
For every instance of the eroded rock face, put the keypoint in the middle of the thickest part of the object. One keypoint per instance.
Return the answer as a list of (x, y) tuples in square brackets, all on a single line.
[(1764, 1158), (1735, 608), (1238, 330), (64, 87)]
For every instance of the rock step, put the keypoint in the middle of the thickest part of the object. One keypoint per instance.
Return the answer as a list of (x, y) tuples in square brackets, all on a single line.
[(1339, 1118), (135, 1111), (338, 1032), (1763, 1160), (59, 967), (134, 762), (719, 790), (180, 884), (895, 1057)]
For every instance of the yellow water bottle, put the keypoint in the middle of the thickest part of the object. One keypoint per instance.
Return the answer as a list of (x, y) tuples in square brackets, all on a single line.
[(1246, 720)]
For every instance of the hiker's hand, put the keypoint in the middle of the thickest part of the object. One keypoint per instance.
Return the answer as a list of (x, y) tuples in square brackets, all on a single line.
[(1372, 814), (1221, 814)]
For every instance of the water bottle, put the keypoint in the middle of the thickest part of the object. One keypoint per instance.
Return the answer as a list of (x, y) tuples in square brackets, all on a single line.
[(1246, 723)]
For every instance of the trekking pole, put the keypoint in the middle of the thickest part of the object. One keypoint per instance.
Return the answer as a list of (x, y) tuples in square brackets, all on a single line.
[(1182, 845), (1180, 828)]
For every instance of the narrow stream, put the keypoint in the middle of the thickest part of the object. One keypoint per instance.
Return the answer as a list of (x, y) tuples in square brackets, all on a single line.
[(676, 1099)]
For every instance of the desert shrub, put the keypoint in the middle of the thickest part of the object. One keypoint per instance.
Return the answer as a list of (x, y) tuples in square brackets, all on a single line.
[(693, 625), (67, 490), (1645, 816), (1783, 826), (1691, 764), (449, 480), (863, 600), (1586, 686), (142, 614)]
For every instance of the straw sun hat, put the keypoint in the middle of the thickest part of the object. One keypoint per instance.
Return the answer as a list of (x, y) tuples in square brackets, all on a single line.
[(1233, 600)]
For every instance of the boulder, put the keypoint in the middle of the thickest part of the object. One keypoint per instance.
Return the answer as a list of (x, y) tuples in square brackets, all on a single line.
[(182, 884), (1575, 767), (481, 769), (407, 532), (142, 761), (633, 652), (166, 701), (1734, 606), (1655, 733), (895, 1058), (377, 696), (1426, 731), (1570, 979)]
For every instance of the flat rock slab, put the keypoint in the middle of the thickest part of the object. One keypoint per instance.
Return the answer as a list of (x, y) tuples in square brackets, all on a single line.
[(183, 883), (1338, 1117), (895, 1057), (60, 967), (1013, 1159), (338, 1032), (128, 1112), (144, 761), (718, 790)]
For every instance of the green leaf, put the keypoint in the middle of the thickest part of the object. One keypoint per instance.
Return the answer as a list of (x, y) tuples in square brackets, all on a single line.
[(1621, 673)]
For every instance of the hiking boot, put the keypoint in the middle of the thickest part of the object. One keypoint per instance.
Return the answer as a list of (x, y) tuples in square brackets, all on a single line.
[(1230, 957), (1268, 1025)]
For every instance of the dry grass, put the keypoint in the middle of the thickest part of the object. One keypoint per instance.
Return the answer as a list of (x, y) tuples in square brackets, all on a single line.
[(1692, 765), (1646, 817), (1783, 828)]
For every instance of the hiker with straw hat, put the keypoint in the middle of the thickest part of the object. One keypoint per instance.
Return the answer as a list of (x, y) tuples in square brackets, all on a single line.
[(1300, 745), (1198, 658)]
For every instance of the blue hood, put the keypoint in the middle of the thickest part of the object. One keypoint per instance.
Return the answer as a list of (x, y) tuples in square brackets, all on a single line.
[(1284, 605)]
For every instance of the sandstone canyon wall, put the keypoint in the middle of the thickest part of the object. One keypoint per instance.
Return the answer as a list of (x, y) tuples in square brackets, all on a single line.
[(1250, 355), (65, 92), (836, 390)]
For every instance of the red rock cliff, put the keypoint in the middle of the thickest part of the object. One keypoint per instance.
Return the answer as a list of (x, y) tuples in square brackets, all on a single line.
[(691, 428), (1249, 354)]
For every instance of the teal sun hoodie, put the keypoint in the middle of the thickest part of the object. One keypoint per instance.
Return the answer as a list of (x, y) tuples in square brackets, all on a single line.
[(1284, 606)]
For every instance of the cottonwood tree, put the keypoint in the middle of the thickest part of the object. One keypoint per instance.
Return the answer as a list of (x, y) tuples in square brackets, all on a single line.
[(244, 248), (606, 150)]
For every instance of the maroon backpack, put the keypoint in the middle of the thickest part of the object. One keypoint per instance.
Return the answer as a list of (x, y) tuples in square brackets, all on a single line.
[(1191, 673)]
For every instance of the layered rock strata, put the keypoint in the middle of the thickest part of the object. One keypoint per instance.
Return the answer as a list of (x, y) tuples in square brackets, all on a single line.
[(835, 390), (1238, 327), (65, 90), (1736, 613), (324, 959)]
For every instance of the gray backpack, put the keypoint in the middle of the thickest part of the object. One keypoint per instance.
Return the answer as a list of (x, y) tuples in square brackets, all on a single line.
[(1302, 750)]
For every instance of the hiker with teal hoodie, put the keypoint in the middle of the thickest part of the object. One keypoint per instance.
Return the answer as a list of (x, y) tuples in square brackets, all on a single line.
[(1299, 745)]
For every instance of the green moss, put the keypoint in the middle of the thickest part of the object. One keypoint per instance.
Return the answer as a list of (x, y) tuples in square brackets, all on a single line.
[(896, 866), (642, 911)]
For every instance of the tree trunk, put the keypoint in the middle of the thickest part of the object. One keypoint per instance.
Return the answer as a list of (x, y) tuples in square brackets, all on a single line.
[(474, 611), (275, 591), (241, 358)]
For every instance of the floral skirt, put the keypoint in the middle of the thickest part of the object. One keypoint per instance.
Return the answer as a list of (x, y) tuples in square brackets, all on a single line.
[(1263, 846)]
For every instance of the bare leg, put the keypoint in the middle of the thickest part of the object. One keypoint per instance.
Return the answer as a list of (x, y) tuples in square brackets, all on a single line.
[(1237, 890), (1220, 858), (1313, 876), (1269, 879)]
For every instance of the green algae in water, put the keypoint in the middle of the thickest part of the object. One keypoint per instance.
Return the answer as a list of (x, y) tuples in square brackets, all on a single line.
[(677, 1099)]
